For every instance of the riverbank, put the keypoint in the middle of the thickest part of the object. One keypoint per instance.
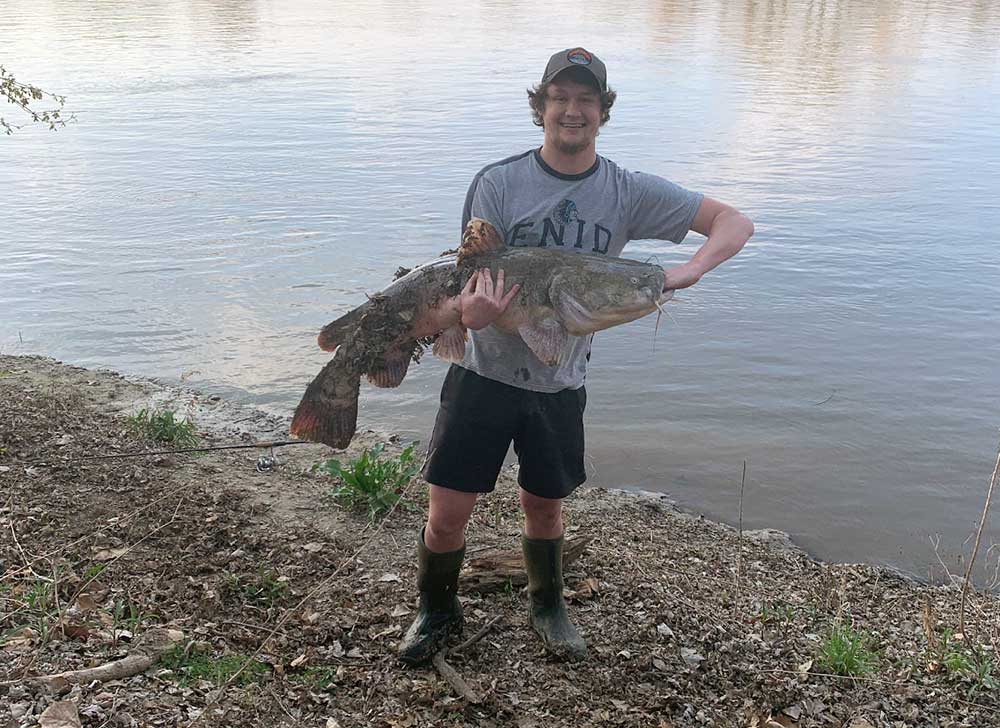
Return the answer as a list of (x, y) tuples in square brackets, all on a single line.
[(688, 623)]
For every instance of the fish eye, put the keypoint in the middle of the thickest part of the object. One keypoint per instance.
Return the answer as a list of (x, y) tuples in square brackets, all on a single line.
[(634, 280)]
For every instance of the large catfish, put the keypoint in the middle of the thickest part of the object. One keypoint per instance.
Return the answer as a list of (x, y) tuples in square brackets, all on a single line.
[(561, 293)]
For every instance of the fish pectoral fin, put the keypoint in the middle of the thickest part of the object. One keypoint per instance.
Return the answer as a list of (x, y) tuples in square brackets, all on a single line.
[(397, 362), (546, 338), (450, 344)]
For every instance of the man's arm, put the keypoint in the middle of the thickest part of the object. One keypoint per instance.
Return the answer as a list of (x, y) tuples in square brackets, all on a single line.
[(727, 231)]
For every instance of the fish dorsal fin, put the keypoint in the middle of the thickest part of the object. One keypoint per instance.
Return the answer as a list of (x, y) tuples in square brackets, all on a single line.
[(479, 238), (450, 344), (545, 338)]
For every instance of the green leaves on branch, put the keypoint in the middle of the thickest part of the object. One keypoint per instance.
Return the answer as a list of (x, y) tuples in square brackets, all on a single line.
[(371, 481), (23, 95)]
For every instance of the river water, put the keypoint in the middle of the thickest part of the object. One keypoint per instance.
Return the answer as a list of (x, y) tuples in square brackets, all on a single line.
[(242, 172)]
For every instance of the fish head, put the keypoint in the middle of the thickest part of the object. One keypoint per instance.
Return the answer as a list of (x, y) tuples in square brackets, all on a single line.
[(602, 292)]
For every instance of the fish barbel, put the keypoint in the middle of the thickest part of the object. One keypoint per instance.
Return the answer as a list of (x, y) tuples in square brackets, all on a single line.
[(561, 293)]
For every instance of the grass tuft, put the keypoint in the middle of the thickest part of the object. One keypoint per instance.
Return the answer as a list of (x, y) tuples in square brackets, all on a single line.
[(847, 652), (371, 481), (163, 426), (190, 667)]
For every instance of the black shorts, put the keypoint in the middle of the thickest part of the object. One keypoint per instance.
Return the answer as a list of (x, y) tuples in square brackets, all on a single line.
[(479, 418)]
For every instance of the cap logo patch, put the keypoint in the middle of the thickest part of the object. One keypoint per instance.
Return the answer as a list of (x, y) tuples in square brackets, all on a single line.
[(579, 56)]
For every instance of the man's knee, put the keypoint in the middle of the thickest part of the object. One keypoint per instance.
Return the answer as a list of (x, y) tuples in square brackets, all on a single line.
[(447, 517), (543, 516)]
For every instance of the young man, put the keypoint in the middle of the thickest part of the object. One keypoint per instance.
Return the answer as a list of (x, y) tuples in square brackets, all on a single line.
[(563, 196)]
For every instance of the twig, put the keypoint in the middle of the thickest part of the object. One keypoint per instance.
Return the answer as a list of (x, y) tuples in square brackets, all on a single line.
[(454, 679), (975, 549), (478, 635), (55, 594), (739, 553)]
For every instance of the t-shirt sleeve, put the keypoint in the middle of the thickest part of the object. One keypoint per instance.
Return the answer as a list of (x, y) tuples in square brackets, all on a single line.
[(483, 200), (660, 209)]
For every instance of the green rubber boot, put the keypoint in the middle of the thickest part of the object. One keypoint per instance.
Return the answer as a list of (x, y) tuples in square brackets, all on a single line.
[(439, 615), (546, 606)]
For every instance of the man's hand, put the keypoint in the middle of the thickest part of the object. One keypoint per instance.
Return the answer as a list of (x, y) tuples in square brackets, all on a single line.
[(680, 277), (482, 302)]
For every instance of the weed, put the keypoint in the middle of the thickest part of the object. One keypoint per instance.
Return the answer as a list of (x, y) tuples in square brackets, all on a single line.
[(265, 587), (191, 667), (318, 678), (125, 615), (371, 480), (847, 652), (163, 426), (93, 572), (966, 661)]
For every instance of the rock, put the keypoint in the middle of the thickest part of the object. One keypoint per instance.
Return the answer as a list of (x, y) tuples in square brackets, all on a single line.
[(772, 538)]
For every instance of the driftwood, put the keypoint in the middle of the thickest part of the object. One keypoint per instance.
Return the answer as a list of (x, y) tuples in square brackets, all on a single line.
[(155, 643), (496, 568)]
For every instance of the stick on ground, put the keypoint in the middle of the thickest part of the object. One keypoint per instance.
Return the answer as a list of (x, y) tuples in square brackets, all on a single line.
[(454, 679)]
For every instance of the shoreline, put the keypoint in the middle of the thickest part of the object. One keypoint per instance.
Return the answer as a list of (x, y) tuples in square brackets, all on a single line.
[(688, 623)]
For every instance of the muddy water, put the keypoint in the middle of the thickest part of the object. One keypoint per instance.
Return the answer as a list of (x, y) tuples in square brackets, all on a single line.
[(242, 172)]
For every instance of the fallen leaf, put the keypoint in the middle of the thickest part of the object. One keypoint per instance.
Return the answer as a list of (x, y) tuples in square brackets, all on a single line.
[(401, 610), (332, 723), (690, 656), (300, 660), (389, 577), (60, 715), (664, 631), (313, 547), (106, 554)]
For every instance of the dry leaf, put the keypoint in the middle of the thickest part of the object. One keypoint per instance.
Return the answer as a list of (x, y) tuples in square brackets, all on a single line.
[(389, 577), (691, 657), (298, 661), (107, 554), (401, 610), (61, 715)]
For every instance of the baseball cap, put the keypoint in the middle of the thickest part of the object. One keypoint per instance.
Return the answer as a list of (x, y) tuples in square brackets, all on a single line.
[(577, 58)]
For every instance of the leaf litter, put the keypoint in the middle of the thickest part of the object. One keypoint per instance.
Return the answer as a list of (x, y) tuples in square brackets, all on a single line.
[(96, 553)]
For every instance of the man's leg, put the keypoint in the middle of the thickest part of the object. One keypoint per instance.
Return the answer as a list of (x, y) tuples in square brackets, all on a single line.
[(542, 544), (440, 550), (550, 451), (542, 516), (447, 517)]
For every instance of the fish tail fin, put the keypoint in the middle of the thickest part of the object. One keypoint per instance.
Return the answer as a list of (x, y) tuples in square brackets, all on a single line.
[(479, 238), (336, 332), (328, 412)]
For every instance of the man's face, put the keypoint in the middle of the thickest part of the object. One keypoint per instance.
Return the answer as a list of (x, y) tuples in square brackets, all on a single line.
[(572, 115)]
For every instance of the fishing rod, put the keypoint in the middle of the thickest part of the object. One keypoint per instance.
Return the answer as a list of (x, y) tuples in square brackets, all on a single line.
[(264, 462)]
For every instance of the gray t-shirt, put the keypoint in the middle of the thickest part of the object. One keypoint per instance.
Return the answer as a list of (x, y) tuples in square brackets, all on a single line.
[(598, 211)]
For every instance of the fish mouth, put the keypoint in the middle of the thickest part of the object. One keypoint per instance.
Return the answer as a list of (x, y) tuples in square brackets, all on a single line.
[(580, 320)]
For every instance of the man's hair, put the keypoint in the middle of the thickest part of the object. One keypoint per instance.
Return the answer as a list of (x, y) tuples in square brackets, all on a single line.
[(538, 95)]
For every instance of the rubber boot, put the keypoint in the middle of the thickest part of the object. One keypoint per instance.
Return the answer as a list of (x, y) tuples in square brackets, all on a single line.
[(546, 606), (439, 615)]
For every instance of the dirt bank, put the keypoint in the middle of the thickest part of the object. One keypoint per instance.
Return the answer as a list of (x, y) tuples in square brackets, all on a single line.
[(688, 624)]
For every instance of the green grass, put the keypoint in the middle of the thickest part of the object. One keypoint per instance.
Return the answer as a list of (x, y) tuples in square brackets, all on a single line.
[(317, 678), (264, 587), (371, 481), (847, 652), (193, 667), (164, 426)]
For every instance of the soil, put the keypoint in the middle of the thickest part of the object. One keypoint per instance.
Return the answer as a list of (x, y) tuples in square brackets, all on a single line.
[(689, 623)]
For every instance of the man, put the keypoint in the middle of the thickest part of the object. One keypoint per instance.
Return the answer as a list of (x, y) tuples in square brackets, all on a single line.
[(564, 196)]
